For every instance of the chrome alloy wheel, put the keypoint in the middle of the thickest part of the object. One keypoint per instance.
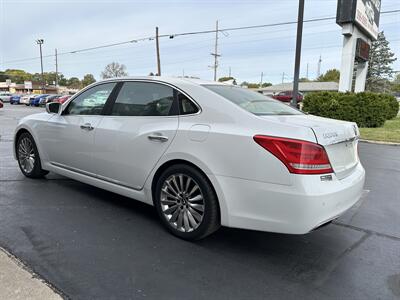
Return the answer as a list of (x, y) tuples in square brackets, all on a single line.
[(26, 155), (182, 202)]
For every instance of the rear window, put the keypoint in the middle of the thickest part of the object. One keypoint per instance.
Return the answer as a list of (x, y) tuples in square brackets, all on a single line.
[(253, 102)]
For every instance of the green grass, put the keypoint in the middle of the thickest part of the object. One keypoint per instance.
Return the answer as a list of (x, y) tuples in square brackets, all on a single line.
[(390, 132)]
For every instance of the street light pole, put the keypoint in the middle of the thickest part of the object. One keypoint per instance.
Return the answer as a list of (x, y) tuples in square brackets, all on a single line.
[(40, 43), (56, 81), (298, 54)]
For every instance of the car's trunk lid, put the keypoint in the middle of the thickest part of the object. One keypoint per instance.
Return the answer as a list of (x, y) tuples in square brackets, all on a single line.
[(339, 139)]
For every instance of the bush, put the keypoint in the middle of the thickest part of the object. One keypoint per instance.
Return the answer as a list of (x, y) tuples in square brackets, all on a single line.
[(393, 106), (366, 109)]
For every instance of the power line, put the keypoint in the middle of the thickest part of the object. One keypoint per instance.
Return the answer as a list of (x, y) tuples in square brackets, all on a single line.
[(266, 53), (171, 36)]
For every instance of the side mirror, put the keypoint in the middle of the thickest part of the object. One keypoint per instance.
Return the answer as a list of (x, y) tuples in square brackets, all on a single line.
[(53, 107)]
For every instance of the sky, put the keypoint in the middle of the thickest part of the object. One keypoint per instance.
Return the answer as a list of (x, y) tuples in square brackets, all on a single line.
[(77, 24)]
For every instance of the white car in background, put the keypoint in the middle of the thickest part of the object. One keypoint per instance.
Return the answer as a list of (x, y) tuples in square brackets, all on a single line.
[(25, 99), (5, 96), (203, 153)]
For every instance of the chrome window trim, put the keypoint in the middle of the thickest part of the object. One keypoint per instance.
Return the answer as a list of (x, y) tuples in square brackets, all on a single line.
[(123, 80)]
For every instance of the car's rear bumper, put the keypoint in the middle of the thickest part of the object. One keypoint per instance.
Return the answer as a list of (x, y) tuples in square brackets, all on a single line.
[(296, 209)]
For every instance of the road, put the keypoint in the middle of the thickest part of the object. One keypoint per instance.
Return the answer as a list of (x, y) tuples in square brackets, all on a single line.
[(90, 243)]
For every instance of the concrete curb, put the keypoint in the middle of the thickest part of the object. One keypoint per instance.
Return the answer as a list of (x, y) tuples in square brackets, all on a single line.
[(380, 142), (20, 281)]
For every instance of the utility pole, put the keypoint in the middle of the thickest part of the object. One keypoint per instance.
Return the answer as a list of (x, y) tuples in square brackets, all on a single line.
[(319, 66), (215, 54), (261, 81), (283, 77), (230, 75), (158, 54), (307, 72), (56, 70), (40, 43), (298, 54)]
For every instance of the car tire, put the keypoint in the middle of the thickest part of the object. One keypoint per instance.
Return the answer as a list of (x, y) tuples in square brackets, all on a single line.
[(186, 202), (28, 157)]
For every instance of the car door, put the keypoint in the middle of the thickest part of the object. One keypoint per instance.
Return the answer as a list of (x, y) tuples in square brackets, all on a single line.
[(287, 96), (135, 133), (69, 137), (281, 96)]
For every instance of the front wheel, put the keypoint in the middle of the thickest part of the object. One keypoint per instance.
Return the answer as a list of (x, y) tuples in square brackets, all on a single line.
[(186, 202), (28, 157)]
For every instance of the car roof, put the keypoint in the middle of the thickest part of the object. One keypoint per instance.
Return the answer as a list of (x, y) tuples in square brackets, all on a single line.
[(166, 79)]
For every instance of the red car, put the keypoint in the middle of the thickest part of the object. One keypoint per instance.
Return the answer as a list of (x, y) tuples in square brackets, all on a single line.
[(286, 96), (62, 99), (1, 104)]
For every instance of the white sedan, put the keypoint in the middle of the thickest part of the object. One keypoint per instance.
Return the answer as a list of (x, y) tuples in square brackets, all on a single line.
[(204, 154), (26, 99)]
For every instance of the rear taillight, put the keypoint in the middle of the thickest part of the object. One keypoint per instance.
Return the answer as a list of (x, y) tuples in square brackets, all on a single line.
[(300, 157)]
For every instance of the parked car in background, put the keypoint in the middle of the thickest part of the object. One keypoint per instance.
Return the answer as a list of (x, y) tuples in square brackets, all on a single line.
[(25, 99), (36, 100), (205, 154), (48, 99), (63, 99), (286, 96), (1, 104), (15, 98), (5, 96)]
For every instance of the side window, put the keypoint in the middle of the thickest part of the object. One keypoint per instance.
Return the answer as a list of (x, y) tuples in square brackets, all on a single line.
[(187, 107), (92, 101), (143, 99)]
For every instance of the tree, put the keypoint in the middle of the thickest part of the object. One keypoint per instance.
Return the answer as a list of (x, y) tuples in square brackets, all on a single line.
[(114, 69), (380, 63), (74, 83), (396, 84), (49, 77), (88, 79), (231, 80), (3, 76), (62, 80), (252, 85), (17, 76), (330, 75), (226, 78), (304, 79)]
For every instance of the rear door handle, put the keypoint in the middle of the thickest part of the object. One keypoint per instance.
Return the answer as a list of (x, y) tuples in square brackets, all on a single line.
[(156, 137), (87, 126)]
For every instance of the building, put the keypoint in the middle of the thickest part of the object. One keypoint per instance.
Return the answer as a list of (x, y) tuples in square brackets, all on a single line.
[(304, 87), (18, 88)]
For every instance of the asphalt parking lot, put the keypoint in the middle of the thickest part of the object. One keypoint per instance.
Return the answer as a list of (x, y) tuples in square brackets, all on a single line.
[(90, 243)]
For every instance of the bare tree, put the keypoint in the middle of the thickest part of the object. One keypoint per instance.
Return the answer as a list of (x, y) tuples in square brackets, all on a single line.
[(113, 70)]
